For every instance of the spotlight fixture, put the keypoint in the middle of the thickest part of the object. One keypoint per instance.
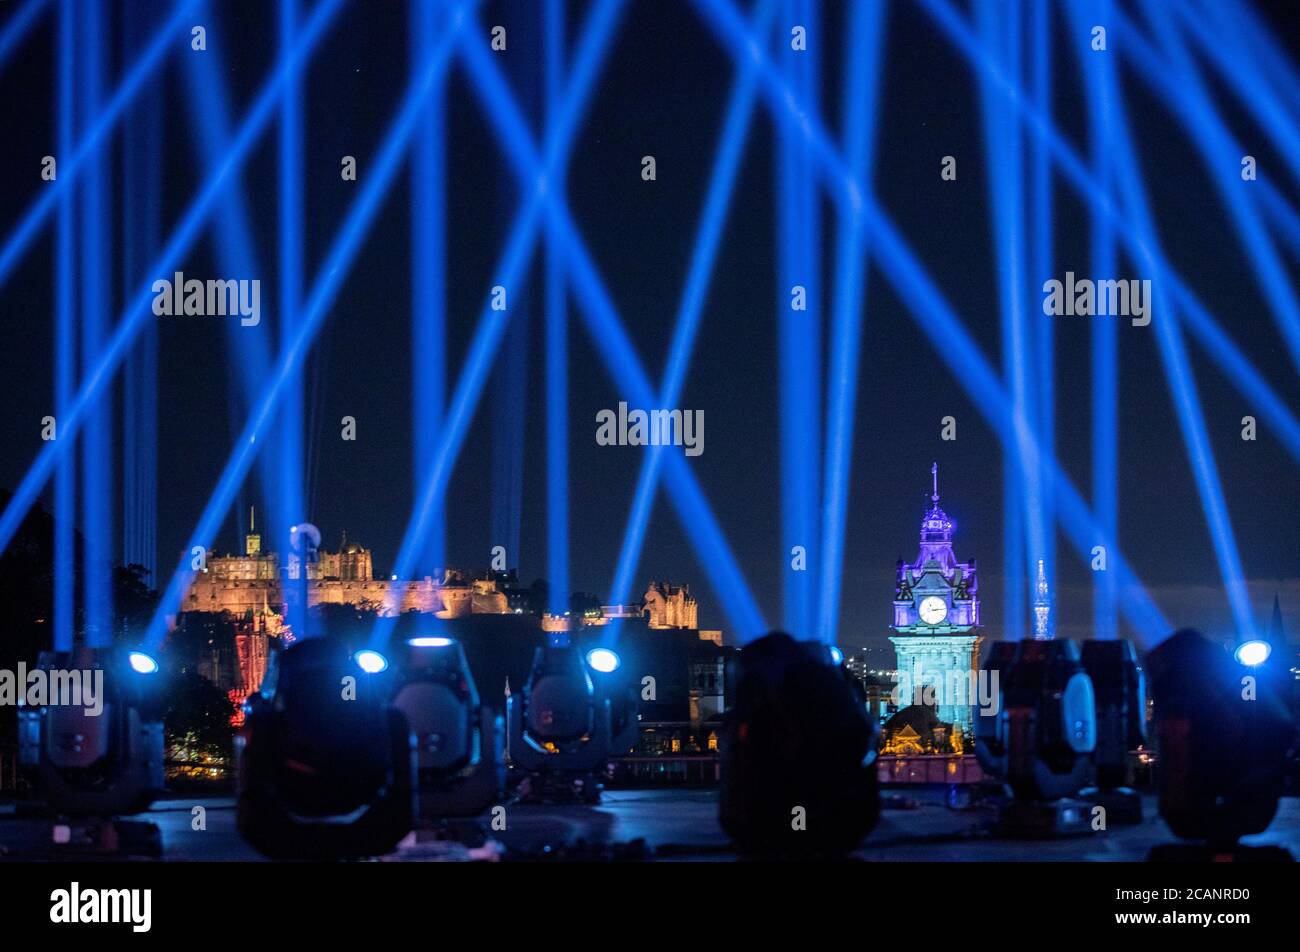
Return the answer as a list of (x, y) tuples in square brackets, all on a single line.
[(1119, 686), (326, 765), (560, 726), (603, 660), (142, 663), (1253, 652), (459, 742), (370, 661), (102, 757), (1224, 733), (798, 752), (1042, 747), (613, 683), (990, 724), (430, 642)]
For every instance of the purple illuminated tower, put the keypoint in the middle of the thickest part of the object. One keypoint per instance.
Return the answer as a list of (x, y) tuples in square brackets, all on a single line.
[(936, 617)]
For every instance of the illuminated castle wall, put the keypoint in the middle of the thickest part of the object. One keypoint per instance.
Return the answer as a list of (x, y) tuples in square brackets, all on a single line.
[(936, 614), (670, 606), (252, 583)]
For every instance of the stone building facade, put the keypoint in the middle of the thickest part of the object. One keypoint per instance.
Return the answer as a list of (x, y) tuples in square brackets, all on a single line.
[(253, 584), (670, 606)]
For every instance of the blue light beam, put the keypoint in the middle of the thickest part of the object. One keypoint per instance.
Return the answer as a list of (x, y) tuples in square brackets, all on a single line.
[(937, 319), (428, 279), (291, 509), (862, 53), (722, 179), (492, 323), (35, 217), (65, 354), (330, 277), (1181, 379), (615, 348), (798, 227), (557, 343), (19, 25), (96, 290), (1216, 344), (1102, 91), (138, 312), (1191, 102), (1000, 32)]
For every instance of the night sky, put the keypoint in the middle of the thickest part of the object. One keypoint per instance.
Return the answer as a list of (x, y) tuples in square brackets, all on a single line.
[(662, 91)]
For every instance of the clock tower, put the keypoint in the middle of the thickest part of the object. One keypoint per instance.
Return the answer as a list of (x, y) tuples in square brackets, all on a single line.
[(936, 622)]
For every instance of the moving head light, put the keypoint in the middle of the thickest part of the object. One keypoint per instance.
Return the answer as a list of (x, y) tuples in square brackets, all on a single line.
[(560, 724), (1223, 734), (990, 725), (103, 756), (460, 757), (615, 682), (1046, 733), (1119, 687), (326, 765), (798, 752)]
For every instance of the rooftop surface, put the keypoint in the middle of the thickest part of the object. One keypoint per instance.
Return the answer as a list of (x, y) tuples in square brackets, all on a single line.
[(915, 825)]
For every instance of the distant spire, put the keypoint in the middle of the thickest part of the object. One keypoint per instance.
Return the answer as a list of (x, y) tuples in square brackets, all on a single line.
[(1275, 635), (936, 528), (1042, 607), (252, 541)]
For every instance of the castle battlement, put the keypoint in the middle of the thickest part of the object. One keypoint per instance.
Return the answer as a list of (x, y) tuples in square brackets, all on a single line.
[(254, 584)]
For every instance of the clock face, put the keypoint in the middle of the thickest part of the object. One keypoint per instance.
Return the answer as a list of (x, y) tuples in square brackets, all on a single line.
[(933, 610)]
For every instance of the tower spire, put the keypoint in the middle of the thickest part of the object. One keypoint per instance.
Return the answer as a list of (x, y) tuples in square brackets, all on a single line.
[(934, 475), (252, 541), (1042, 607)]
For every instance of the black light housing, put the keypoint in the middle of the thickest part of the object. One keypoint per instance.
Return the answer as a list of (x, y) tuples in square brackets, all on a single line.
[(560, 726), (617, 683), (459, 742), (1040, 739), (1119, 686), (1051, 721), (101, 765), (796, 736), (326, 765), (990, 725), (1223, 734)]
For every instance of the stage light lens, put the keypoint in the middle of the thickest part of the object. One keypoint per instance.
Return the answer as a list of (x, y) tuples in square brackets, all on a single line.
[(370, 661), (603, 660), (1252, 653), (429, 642), (142, 663), (837, 655)]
